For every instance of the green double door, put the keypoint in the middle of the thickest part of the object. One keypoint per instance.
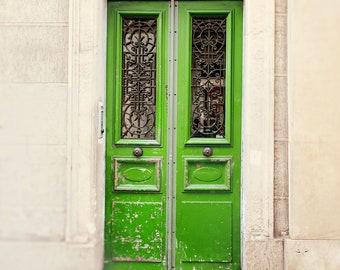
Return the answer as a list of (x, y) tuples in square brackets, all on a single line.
[(173, 140)]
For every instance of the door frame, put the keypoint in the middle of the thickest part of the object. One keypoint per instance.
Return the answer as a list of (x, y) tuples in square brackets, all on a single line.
[(84, 224)]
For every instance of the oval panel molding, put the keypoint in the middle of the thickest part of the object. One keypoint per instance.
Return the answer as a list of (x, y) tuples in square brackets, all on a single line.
[(136, 174), (206, 174)]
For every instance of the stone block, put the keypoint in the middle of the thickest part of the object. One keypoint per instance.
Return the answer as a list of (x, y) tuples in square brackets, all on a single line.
[(33, 54), (264, 255), (314, 190), (281, 6), (281, 225), (32, 223), (33, 114), (315, 108), (281, 169), (33, 192), (22, 11), (281, 107), (281, 23), (315, 124), (281, 44), (51, 256), (312, 254)]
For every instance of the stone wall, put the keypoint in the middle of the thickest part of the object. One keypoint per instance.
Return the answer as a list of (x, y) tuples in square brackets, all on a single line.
[(51, 161), (314, 141), (280, 123), (33, 113)]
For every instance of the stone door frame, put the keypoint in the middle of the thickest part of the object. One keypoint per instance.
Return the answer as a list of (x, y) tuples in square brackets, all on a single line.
[(86, 168)]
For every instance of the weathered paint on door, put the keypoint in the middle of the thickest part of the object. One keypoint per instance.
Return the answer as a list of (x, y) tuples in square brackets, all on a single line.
[(173, 161)]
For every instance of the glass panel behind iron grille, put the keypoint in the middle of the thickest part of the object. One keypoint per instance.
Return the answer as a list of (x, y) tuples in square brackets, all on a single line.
[(139, 78), (208, 77)]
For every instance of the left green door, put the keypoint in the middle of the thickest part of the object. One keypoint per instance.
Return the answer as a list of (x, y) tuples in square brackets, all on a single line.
[(135, 235)]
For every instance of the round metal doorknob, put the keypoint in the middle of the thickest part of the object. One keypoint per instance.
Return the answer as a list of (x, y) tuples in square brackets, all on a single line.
[(137, 152), (207, 152)]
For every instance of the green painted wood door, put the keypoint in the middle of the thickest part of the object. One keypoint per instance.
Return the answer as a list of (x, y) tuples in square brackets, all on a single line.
[(173, 135)]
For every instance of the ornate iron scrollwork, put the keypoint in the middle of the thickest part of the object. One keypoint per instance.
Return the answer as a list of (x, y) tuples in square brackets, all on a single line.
[(138, 78), (208, 77)]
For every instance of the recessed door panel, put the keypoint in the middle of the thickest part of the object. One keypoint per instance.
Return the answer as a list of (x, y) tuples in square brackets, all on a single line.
[(205, 242), (173, 135), (131, 174), (207, 174), (138, 232)]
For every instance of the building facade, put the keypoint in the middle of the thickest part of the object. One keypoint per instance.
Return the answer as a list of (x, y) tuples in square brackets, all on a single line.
[(52, 160)]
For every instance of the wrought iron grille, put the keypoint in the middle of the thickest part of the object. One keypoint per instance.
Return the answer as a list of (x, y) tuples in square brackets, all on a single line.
[(138, 114), (208, 77)]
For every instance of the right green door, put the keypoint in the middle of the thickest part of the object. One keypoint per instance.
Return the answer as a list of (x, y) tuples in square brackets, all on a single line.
[(208, 145)]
